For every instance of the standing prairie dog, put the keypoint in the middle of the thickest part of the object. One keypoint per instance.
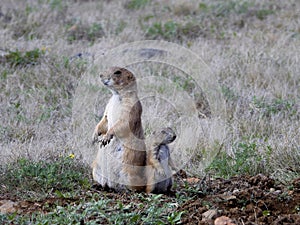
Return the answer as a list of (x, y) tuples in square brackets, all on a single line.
[(159, 161), (122, 137), (122, 120)]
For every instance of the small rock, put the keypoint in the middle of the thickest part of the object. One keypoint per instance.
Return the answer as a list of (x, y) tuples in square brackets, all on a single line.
[(7, 206), (224, 220), (235, 191), (192, 180), (277, 192), (210, 214), (230, 197)]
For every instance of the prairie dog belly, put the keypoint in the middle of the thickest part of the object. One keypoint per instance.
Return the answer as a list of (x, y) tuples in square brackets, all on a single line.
[(114, 110), (164, 156)]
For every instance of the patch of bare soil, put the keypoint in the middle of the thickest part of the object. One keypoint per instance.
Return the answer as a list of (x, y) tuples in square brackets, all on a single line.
[(246, 200), (238, 200)]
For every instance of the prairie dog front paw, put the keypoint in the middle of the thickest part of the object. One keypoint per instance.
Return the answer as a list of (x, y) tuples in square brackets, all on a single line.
[(105, 140)]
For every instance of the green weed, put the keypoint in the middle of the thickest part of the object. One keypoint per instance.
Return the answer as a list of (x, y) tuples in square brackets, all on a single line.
[(229, 94), (4, 74), (266, 213), (79, 31), (203, 7), (94, 31), (102, 210), (172, 31), (224, 8), (263, 13), (20, 59), (246, 161), (81, 213), (136, 4), (166, 31), (120, 27), (175, 217), (275, 106), (56, 5), (190, 30), (44, 178)]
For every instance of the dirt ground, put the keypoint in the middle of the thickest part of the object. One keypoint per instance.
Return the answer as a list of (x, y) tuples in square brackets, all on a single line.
[(238, 200), (247, 200)]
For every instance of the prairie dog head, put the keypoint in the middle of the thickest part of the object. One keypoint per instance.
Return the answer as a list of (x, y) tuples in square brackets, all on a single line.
[(169, 134), (164, 136), (118, 78)]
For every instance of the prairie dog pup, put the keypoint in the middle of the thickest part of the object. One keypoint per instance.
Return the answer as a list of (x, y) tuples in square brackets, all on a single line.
[(159, 161), (121, 121)]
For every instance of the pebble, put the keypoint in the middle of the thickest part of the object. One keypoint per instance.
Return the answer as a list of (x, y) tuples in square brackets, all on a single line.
[(210, 214), (224, 220), (7, 206)]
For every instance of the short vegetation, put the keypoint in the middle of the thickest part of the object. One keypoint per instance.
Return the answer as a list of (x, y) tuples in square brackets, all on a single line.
[(252, 48)]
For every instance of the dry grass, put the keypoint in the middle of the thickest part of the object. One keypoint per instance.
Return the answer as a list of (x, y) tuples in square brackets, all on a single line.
[(252, 50)]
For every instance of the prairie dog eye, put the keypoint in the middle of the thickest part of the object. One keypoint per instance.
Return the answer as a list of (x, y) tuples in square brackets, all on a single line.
[(101, 75), (118, 72)]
